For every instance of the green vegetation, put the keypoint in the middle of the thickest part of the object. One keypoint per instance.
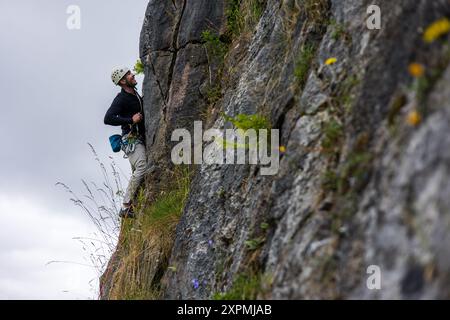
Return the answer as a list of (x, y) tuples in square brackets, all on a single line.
[(245, 121), (433, 71), (333, 132), (422, 86), (398, 102), (303, 64), (355, 168), (255, 243), (215, 47), (243, 15), (351, 173), (220, 193), (347, 181), (146, 242), (264, 226), (234, 17), (330, 180), (213, 94), (246, 286), (256, 9), (345, 97), (168, 206), (216, 51), (339, 31), (138, 67), (316, 11)]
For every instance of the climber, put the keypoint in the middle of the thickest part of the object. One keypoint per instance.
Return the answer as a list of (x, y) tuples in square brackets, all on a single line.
[(127, 111)]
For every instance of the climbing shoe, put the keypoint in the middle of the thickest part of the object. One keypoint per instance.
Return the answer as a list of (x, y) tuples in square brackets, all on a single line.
[(127, 213)]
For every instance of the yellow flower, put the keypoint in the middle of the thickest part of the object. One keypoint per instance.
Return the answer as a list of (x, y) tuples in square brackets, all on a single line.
[(330, 61), (416, 69), (282, 149), (436, 29), (413, 118)]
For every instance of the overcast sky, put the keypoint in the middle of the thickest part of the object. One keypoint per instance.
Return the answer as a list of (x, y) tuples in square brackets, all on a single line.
[(55, 89)]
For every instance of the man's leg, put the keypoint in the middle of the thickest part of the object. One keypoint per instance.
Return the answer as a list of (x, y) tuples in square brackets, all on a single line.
[(138, 163)]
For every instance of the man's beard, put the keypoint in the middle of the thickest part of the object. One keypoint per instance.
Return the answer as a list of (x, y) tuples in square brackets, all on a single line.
[(130, 84)]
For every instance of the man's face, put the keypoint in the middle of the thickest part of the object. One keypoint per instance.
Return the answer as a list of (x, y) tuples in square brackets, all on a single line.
[(129, 80)]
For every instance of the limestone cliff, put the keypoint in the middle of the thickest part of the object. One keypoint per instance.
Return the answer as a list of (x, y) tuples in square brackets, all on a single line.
[(364, 174)]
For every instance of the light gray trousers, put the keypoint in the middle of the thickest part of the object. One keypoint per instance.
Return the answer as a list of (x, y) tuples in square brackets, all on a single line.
[(138, 161)]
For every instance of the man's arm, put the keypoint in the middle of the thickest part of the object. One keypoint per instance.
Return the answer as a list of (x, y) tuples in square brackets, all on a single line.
[(113, 118)]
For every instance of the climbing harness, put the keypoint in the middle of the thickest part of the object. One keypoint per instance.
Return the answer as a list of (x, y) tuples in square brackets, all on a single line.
[(130, 140)]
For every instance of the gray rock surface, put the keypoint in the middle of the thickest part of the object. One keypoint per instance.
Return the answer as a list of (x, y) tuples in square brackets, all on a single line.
[(391, 206)]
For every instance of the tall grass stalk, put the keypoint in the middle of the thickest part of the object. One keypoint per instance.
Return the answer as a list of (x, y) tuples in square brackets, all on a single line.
[(101, 202)]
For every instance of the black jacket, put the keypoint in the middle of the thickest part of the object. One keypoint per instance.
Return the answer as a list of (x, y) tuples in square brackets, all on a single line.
[(121, 112)]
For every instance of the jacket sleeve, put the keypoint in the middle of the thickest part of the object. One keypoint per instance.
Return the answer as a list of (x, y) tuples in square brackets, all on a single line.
[(113, 117)]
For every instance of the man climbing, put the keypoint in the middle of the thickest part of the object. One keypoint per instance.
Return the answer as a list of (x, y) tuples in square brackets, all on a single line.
[(127, 111)]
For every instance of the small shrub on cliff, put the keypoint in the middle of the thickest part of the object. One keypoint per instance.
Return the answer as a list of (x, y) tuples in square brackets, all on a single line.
[(243, 15), (330, 180), (249, 121), (333, 132), (246, 122), (139, 67), (234, 17), (213, 94), (215, 47), (303, 64)]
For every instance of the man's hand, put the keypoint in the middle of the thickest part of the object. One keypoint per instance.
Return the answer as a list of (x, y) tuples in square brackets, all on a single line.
[(137, 118)]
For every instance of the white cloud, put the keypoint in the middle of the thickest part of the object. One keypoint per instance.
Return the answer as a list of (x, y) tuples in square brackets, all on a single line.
[(59, 89), (32, 237)]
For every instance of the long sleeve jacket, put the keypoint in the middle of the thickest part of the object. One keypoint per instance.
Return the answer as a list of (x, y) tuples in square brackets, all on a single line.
[(121, 112)]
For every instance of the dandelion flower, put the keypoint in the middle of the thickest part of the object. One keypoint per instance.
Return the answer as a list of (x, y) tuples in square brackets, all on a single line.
[(282, 149), (436, 29), (330, 61), (413, 118), (416, 70)]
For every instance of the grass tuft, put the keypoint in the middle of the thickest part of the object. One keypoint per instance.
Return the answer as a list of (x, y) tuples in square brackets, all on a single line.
[(243, 15), (146, 243), (303, 64), (246, 286)]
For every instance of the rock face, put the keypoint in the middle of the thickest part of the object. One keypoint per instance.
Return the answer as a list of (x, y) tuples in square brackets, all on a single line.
[(358, 184), (176, 67)]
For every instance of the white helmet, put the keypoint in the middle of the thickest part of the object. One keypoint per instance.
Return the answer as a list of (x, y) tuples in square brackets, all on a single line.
[(118, 73)]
